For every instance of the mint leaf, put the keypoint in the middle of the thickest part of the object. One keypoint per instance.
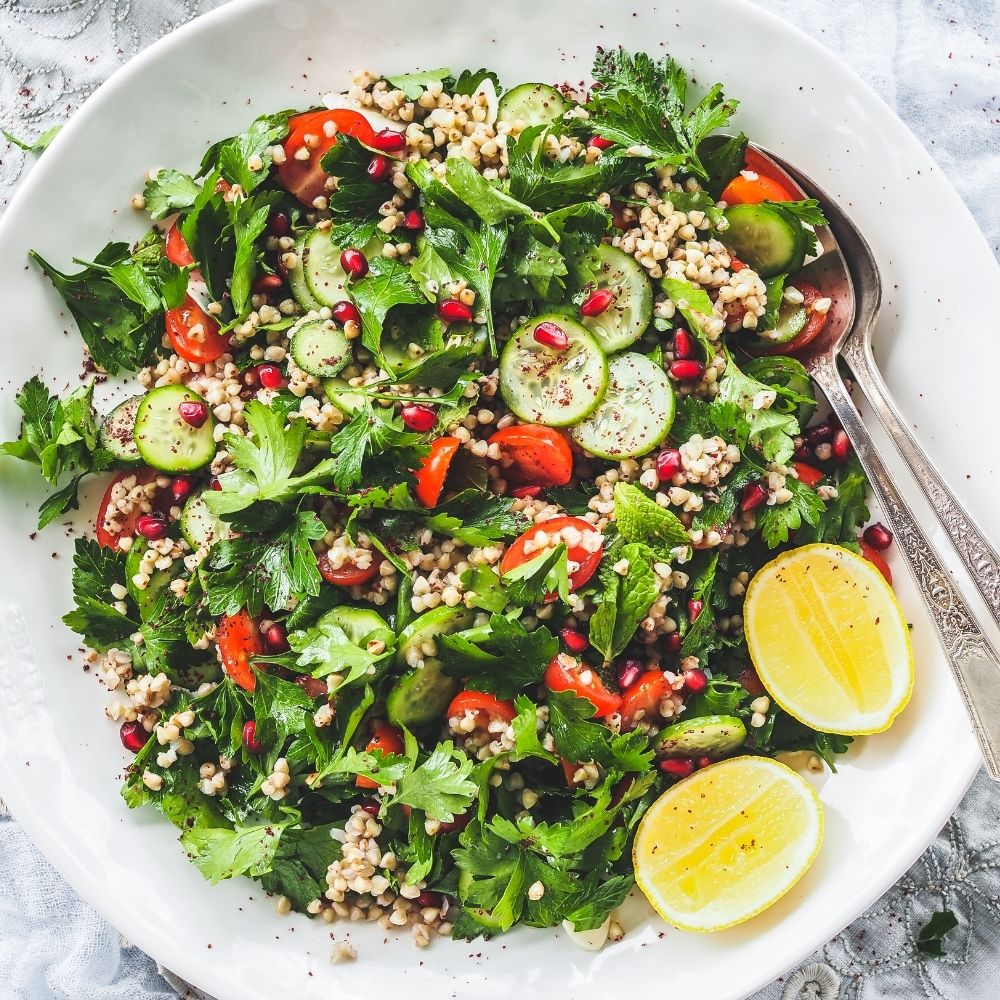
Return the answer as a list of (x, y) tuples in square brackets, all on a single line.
[(440, 786), (168, 192), (625, 600), (699, 635), (641, 519)]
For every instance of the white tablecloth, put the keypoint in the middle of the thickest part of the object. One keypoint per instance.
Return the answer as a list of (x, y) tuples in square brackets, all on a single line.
[(938, 64)]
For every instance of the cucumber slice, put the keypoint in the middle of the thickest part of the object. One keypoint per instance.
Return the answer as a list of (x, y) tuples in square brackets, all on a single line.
[(532, 104), (166, 441), (325, 278), (341, 394), (631, 310), (545, 386), (421, 697), (765, 238), (200, 527), (320, 348), (710, 736), (635, 415), (430, 625), (359, 624), (145, 599), (297, 280), (118, 433)]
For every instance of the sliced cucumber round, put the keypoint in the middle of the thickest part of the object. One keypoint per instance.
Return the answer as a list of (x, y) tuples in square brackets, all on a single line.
[(766, 238), (543, 385), (631, 310), (146, 598), (359, 624), (421, 696), (532, 104), (201, 527), (635, 415), (297, 280), (164, 439), (118, 433), (340, 392), (709, 736), (325, 278), (319, 347), (429, 626)]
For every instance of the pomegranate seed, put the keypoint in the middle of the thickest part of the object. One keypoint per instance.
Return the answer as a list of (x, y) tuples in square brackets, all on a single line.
[(677, 767), (250, 378), (180, 489), (214, 483), (704, 762), (841, 446), (686, 370), (265, 284), (152, 527), (551, 335), (280, 269), (878, 536), (428, 898), (345, 312), (628, 673), (414, 219), (597, 302), (389, 141), (695, 608), (354, 262), (454, 311), (371, 807), (270, 377), (802, 450), (276, 638), (668, 463), (134, 736), (418, 417), (279, 225), (574, 641), (683, 344), (378, 169), (193, 413), (672, 642), (754, 494), (250, 740), (820, 434), (696, 680), (599, 142), (735, 264), (526, 492)]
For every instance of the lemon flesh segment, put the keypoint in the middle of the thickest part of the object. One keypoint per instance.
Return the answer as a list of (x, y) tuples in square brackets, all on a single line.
[(829, 640), (726, 843)]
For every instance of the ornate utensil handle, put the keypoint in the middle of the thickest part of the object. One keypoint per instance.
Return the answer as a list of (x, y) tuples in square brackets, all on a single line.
[(972, 658), (980, 558)]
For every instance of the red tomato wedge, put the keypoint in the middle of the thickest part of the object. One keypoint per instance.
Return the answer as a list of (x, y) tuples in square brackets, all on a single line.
[(743, 191), (642, 699), (192, 344), (808, 474), (386, 738), (586, 561), (877, 560), (306, 179), (109, 539), (539, 456), (486, 706), (813, 327), (348, 575), (238, 639), (566, 673), (176, 249), (434, 471)]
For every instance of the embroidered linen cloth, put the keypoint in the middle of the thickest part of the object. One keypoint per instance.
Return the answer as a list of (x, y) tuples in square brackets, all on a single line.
[(938, 65)]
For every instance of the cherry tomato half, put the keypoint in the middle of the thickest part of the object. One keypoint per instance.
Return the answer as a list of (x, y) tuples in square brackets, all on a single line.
[(814, 324), (808, 474), (306, 179), (539, 455), (486, 707), (744, 191), (348, 575), (587, 562), (434, 470), (238, 639), (566, 673), (182, 329), (109, 539), (386, 738), (175, 248), (877, 560), (642, 699)]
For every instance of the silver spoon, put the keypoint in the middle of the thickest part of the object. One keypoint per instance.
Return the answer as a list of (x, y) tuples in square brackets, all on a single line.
[(973, 659)]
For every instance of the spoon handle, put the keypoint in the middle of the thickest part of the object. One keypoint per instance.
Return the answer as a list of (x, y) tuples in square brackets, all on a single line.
[(981, 560), (973, 660)]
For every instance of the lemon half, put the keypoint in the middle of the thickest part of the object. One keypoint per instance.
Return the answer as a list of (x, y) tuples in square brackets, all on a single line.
[(726, 843)]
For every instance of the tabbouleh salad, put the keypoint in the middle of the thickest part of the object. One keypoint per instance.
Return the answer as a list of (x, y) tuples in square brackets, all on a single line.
[(464, 416)]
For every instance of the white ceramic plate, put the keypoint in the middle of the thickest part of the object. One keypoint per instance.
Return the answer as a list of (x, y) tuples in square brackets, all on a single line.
[(60, 761)]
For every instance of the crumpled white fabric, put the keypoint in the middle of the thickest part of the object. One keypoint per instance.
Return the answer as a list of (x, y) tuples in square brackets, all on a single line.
[(937, 64)]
